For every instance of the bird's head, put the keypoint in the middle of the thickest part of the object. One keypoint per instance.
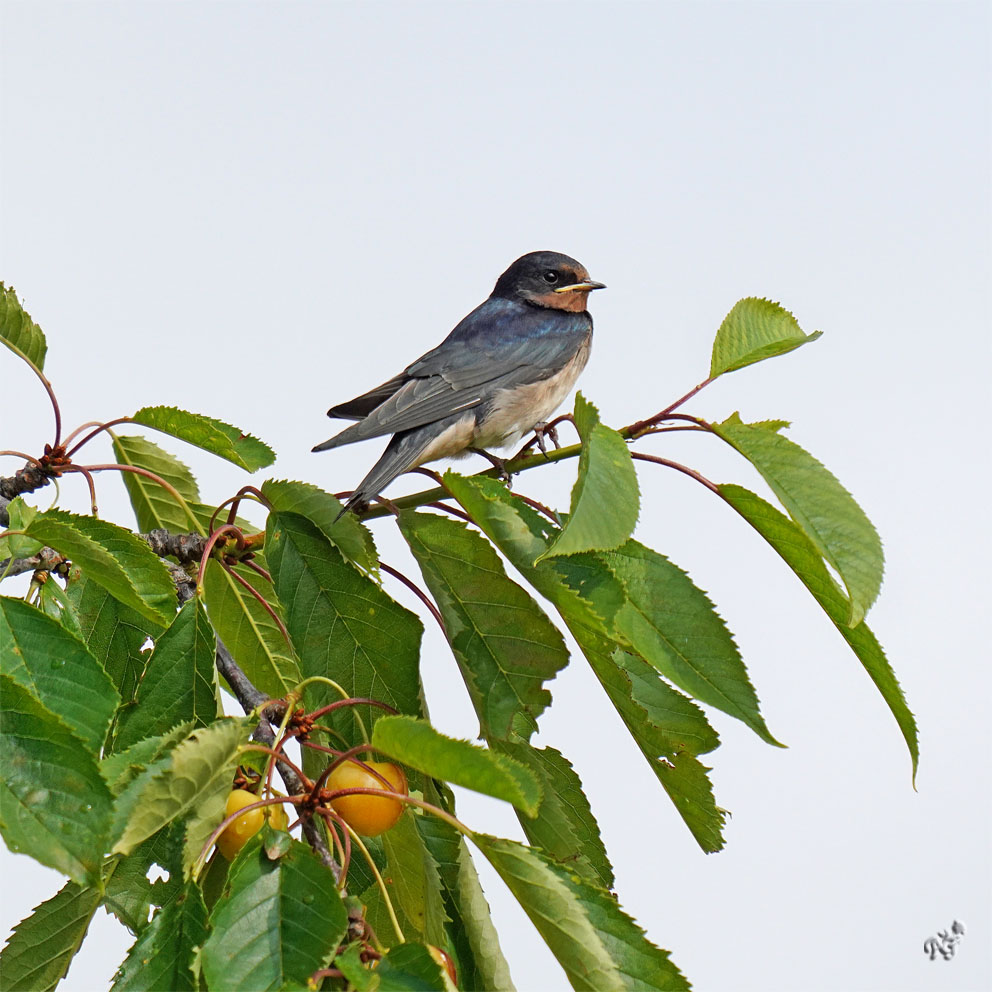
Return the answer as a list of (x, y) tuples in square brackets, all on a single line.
[(547, 279)]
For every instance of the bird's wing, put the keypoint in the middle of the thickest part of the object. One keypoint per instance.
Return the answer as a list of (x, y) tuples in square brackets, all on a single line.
[(464, 377), (362, 406)]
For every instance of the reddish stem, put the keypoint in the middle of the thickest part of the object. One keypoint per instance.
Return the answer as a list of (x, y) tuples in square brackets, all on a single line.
[(261, 599), (215, 536), (417, 591), (635, 429), (258, 568), (89, 437), (351, 701), (684, 469), (27, 458)]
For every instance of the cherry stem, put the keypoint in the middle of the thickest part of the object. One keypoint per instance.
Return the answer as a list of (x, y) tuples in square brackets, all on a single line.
[(215, 536), (146, 474), (351, 701), (235, 502), (635, 429), (89, 437), (228, 820), (28, 458), (281, 756)]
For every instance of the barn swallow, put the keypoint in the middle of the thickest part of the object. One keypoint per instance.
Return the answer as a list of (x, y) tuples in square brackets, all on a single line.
[(498, 375)]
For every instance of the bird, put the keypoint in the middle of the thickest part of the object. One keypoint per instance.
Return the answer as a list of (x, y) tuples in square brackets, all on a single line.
[(500, 374)]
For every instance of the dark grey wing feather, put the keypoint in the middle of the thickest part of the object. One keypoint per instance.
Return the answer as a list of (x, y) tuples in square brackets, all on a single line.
[(362, 406), (460, 386)]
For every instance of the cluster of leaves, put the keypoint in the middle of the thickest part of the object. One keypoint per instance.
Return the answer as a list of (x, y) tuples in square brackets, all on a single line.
[(116, 755)]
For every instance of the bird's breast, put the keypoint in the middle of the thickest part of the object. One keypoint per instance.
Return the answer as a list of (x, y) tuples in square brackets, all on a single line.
[(516, 411)]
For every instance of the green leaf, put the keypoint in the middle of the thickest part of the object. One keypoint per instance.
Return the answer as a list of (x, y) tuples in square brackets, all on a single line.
[(54, 804), (416, 884), (662, 721), (54, 664), (20, 514), (672, 624), (121, 768), (687, 783), (41, 948), (18, 331), (179, 684), (564, 828), (820, 505), (754, 330), (409, 967), (154, 506), (212, 435), (505, 646), (248, 631), (194, 777), (279, 922), (598, 945), (346, 533), (417, 744), (473, 938), (803, 557), (605, 498), (343, 626), (113, 632), (112, 557), (162, 956), (360, 977), (129, 894)]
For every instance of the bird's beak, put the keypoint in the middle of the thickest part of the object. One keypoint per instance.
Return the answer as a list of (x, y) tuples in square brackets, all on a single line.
[(581, 287)]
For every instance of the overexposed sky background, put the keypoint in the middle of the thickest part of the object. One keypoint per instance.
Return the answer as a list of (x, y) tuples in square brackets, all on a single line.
[(253, 210)]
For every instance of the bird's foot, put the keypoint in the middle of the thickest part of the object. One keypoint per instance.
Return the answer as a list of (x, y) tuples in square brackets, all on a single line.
[(497, 463), (542, 431)]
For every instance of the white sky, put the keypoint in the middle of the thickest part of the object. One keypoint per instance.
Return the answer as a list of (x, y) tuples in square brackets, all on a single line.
[(255, 210)]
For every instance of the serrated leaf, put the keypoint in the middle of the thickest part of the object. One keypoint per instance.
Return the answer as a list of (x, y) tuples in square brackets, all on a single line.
[(56, 667), (18, 331), (279, 922), (211, 435), (605, 498), (162, 956), (588, 596), (670, 730), (672, 624), (179, 684), (599, 946), (20, 514), (38, 953), (154, 506), (685, 778), (112, 557), (248, 631), (347, 533), (755, 329), (473, 937), (113, 632), (820, 505), (505, 646), (123, 767), (415, 881), (343, 625), (417, 744), (564, 827), (54, 804), (803, 557), (129, 893), (409, 967), (193, 778)]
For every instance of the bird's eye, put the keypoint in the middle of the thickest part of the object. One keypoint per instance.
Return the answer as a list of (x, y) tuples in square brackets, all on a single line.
[(551, 276)]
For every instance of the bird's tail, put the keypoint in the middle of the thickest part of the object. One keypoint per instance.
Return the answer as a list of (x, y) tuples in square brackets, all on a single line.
[(402, 453)]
